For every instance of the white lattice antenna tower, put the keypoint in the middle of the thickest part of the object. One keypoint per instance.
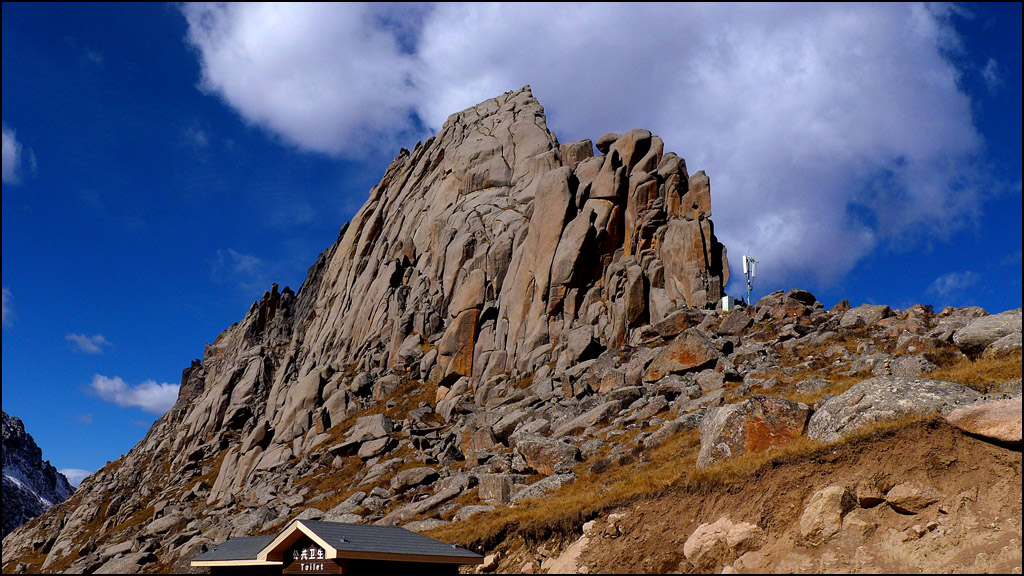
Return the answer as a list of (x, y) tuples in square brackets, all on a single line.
[(750, 271)]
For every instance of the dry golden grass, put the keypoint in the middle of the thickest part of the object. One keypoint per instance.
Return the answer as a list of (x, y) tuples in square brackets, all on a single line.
[(983, 373), (32, 560), (669, 467), (567, 508), (138, 518), (335, 484), (837, 385), (338, 484)]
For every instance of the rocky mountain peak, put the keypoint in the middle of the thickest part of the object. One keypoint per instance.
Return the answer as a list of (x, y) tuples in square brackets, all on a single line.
[(30, 484), (484, 253), (488, 254)]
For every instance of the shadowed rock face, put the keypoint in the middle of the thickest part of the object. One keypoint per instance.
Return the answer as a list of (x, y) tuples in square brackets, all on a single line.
[(30, 485)]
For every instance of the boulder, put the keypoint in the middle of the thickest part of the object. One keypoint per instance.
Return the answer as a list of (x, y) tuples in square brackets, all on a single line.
[(370, 428), (495, 488), (722, 540), (344, 518), (508, 423), (672, 427), (977, 335), (869, 494), (865, 315), (884, 398), (999, 421), (597, 415), (749, 427), (570, 255), (691, 351), (163, 524), (385, 385), (445, 492), (688, 247), (911, 366), (467, 512), (822, 517), (911, 497), (456, 346), (604, 143), (427, 525), (547, 456), (373, 448), (127, 564), (802, 296), (413, 477), (1004, 346), (350, 505), (542, 487), (581, 345), (573, 153), (734, 323)]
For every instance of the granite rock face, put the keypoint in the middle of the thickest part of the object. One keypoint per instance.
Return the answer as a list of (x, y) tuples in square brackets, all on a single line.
[(484, 244)]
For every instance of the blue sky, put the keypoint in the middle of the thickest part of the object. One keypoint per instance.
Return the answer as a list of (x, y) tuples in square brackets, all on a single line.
[(163, 165)]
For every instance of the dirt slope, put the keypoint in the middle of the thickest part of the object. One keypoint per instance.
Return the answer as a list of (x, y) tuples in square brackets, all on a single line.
[(975, 526)]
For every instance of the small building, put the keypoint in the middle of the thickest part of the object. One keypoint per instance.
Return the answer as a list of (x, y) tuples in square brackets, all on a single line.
[(314, 547)]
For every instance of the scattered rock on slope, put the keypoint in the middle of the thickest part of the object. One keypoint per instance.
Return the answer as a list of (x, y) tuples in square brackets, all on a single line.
[(976, 336)]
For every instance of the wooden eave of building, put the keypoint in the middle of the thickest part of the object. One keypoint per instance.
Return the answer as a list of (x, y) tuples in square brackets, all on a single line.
[(216, 563), (371, 543)]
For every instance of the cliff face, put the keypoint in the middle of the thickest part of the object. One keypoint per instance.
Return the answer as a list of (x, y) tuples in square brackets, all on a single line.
[(488, 253), (490, 242), (30, 485)]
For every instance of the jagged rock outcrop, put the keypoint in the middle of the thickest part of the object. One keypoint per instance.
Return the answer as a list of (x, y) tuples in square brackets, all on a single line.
[(485, 245), (30, 484)]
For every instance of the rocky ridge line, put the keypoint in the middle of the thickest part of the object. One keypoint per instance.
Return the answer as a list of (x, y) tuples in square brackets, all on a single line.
[(30, 484)]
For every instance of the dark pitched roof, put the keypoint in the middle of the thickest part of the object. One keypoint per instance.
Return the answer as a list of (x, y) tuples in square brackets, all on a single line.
[(383, 539), (236, 549)]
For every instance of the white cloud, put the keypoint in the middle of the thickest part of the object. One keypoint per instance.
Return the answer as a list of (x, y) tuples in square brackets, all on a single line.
[(827, 130), (75, 475), (329, 78), (991, 75), (89, 344), (197, 137), (149, 396), (8, 314), (11, 156), (953, 284), (84, 418), (232, 266)]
